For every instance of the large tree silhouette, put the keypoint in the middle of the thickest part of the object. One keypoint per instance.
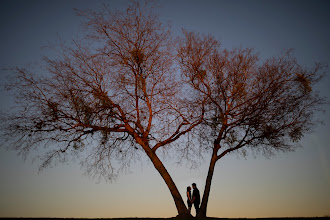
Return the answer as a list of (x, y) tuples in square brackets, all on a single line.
[(109, 96), (252, 105), (116, 94)]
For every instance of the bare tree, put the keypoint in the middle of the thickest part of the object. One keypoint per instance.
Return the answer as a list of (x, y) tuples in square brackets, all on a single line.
[(111, 95), (252, 105)]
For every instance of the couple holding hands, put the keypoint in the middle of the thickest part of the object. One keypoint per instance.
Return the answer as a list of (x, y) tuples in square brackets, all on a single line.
[(195, 199)]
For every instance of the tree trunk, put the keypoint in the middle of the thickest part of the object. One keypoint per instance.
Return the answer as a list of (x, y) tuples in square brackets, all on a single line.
[(203, 207), (180, 205)]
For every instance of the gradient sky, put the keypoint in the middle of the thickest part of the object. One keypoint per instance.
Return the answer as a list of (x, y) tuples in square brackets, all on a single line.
[(291, 184)]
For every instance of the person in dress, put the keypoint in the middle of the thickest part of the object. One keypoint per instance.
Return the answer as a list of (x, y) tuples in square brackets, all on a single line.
[(189, 199)]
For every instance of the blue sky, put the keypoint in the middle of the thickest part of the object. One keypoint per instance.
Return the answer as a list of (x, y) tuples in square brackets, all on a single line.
[(291, 184)]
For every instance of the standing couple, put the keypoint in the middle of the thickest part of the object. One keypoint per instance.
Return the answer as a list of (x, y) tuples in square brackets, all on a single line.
[(195, 199)]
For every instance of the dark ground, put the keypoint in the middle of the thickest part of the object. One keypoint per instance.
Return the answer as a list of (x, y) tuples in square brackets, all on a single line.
[(302, 218)]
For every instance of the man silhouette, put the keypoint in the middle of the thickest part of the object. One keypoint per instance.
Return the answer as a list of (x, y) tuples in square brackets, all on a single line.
[(196, 199)]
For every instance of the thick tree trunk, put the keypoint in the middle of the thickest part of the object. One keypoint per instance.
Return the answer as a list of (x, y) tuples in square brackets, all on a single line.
[(180, 205), (203, 207)]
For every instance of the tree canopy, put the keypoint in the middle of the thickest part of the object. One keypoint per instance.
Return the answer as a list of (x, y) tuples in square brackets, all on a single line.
[(113, 94), (252, 105)]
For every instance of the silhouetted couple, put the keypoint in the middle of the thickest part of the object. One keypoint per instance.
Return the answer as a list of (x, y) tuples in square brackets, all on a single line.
[(195, 199)]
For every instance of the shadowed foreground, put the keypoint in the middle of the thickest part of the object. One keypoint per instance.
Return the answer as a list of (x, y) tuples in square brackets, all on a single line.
[(292, 218)]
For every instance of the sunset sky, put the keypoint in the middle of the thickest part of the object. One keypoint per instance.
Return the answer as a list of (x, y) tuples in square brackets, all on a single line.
[(287, 185)]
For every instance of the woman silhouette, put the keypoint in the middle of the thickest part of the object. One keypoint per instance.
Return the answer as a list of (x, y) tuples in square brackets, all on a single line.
[(189, 198)]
